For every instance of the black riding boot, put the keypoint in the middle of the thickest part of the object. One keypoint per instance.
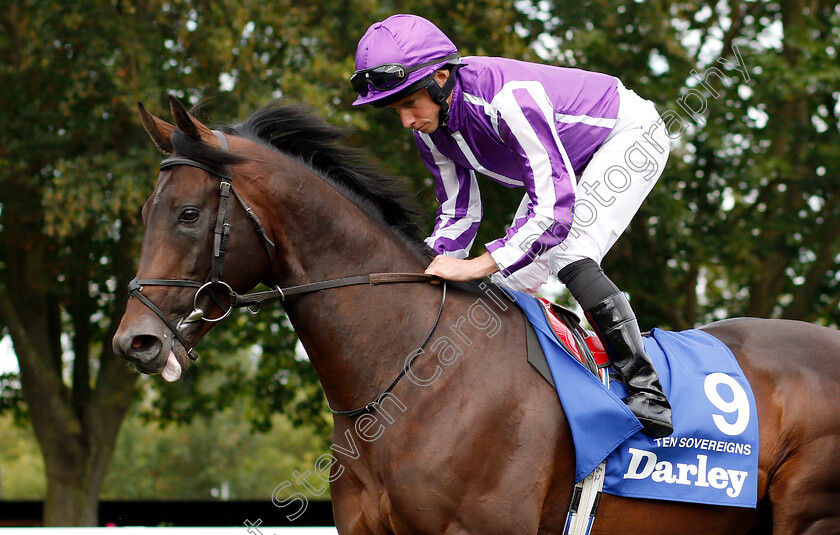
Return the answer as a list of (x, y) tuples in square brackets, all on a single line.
[(616, 326), (609, 312)]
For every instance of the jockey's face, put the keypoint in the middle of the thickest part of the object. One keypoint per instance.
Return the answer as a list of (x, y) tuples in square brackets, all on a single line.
[(418, 111)]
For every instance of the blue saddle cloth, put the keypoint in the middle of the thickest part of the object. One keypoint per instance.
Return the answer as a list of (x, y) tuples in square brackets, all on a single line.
[(712, 456)]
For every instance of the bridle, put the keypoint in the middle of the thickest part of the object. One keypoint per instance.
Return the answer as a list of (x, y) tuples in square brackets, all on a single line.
[(221, 232), (254, 301)]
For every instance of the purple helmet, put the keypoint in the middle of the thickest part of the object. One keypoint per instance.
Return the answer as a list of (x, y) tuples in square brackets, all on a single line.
[(398, 56)]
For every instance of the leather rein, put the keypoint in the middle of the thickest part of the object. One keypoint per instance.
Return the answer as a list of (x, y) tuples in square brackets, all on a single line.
[(254, 301)]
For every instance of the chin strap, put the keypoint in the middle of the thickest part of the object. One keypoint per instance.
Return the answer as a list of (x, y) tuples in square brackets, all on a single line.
[(439, 94)]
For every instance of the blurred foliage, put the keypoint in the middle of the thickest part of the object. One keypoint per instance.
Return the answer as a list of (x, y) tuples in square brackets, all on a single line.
[(189, 461), (253, 359), (21, 463), (181, 461), (742, 222), (11, 398)]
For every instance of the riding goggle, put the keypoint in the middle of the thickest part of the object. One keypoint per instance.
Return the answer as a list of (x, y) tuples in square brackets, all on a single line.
[(388, 75)]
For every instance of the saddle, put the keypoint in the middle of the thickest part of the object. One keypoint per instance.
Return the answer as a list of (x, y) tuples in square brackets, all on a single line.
[(581, 343), (585, 346)]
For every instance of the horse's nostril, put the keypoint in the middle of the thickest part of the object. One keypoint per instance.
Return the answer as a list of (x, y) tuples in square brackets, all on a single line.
[(144, 346)]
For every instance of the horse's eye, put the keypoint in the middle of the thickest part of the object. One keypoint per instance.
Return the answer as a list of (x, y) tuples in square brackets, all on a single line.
[(189, 215)]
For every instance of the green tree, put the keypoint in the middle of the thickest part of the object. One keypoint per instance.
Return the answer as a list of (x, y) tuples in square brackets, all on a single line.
[(75, 168), (66, 229)]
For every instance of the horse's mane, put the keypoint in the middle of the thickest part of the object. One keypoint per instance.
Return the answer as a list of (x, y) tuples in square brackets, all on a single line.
[(298, 132)]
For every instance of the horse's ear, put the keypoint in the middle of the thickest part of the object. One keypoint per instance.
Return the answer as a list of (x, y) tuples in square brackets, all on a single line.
[(189, 124), (158, 129)]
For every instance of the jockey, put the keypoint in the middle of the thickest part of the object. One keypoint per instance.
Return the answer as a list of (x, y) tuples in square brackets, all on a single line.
[(586, 149)]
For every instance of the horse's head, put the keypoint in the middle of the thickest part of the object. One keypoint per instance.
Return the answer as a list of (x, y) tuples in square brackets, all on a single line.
[(277, 199), (200, 245)]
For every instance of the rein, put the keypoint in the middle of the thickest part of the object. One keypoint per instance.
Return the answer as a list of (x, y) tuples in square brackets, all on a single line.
[(254, 301)]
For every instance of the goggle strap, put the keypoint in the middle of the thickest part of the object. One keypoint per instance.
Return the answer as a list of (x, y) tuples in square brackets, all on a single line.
[(404, 70), (432, 62)]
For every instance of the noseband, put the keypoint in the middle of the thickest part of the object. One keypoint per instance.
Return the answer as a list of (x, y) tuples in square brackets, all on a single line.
[(254, 301)]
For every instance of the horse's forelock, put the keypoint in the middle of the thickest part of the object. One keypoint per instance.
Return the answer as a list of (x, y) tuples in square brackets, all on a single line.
[(188, 147)]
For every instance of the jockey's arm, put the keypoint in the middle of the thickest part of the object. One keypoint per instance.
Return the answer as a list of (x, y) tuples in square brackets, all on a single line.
[(459, 210), (526, 127)]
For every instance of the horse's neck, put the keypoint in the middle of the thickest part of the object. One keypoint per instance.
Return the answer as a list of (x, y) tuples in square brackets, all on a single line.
[(357, 337)]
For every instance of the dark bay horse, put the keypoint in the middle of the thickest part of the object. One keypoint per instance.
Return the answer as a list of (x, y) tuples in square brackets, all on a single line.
[(473, 440)]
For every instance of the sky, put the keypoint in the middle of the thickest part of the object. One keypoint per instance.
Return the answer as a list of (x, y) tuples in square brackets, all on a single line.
[(8, 360)]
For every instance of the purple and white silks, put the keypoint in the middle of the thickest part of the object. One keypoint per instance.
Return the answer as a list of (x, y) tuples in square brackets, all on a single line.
[(522, 125)]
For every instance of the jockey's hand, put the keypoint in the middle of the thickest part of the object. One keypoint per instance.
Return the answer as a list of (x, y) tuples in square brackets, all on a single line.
[(455, 269)]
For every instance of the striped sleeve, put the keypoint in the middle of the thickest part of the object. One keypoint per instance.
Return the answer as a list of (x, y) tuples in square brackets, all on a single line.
[(526, 126), (459, 210)]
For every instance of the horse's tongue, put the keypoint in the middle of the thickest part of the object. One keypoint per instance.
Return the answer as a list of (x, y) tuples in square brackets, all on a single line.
[(172, 371)]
